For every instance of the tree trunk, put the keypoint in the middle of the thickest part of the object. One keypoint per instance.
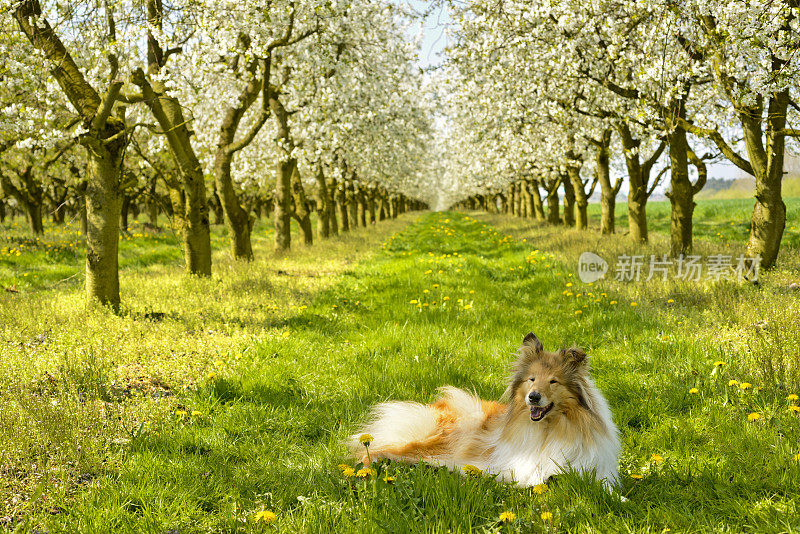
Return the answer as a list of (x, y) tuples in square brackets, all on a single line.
[(152, 203), (104, 162), (681, 196), (536, 196), (237, 219), (768, 221), (362, 205), (581, 199), (323, 206), (569, 201), (352, 204), (553, 217), (341, 204), (608, 192), (301, 212), (334, 221), (371, 205), (123, 212), (283, 214), (2, 211)]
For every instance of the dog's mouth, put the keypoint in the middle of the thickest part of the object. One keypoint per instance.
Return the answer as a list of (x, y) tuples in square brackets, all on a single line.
[(538, 412)]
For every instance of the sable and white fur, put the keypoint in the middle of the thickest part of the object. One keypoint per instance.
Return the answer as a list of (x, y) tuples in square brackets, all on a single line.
[(552, 419)]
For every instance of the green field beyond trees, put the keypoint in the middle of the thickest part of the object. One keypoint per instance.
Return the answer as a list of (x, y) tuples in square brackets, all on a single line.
[(220, 404)]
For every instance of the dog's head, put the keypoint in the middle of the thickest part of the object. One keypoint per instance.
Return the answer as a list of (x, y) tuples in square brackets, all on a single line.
[(549, 384)]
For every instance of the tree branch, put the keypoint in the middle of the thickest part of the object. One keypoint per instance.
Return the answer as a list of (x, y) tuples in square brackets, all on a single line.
[(715, 136)]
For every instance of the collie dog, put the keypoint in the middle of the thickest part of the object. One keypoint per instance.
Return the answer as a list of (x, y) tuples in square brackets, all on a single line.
[(551, 419)]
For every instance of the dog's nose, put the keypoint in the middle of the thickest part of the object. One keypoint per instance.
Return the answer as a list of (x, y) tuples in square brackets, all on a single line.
[(534, 397)]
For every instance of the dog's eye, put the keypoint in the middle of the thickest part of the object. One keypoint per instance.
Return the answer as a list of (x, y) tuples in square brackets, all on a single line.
[(554, 381), (532, 379)]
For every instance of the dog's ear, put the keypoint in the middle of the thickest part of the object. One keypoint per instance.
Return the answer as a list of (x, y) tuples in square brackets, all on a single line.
[(575, 356), (533, 342)]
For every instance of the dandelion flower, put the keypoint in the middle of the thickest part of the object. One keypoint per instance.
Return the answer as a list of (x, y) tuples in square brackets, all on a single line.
[(755, 416), (637, 477), (547, 516), (471, 470), (413, 301), (797, 457), (794, 409), (197, 412), (733, 383), (471, 291), (365, 472), (507, 517), (670, 301), (578, 312), (694, 391), (745, 385), (348, 472), (634, 304), (343, 467), (719, 363), (539, 489), (657, 458), (365, 439), (180, 413), (613, 302), (426, 291), (389, 480), (266, 516), (218, 362), (569, 284), (792, 397)]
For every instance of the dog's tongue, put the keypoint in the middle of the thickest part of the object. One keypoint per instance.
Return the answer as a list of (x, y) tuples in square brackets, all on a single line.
[(537, 412)]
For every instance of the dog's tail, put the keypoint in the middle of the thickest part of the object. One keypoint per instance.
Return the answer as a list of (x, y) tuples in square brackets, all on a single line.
[(396, 425)]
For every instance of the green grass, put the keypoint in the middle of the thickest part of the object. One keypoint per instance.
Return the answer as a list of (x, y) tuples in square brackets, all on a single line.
[(210, 400)]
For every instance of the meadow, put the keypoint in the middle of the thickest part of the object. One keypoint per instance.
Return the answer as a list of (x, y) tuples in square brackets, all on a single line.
[(221, 404)]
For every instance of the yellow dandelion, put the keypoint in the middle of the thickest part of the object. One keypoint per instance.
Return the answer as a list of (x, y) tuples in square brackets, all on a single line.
[(794, 409), (426, 291), (446, 298), (539, 489), (471, 470), (637, 477), (507, 517), (719, 363), (365, 472), (733, 382), (343, 467), (670, 301), (755, 416), (569, 284), (792, 397), (196, 413), (180, 413), (633, 304), (694, 391), (578, 312), (413, 301), (546, 516), (745, 385), (657, 458), (212, 374), (266, 516), (797, 457), (613, 302), (429, 271), (471, 291), (218, 362), (389, 480), (365, 439), (348, 473)]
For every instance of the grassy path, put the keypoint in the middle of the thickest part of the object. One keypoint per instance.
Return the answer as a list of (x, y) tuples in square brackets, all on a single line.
[(447, 301)]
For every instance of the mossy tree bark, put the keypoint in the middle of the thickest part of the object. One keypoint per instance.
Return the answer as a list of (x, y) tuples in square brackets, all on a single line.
[(105, 142), (608, 192), (168, 112), (323, 205), (301, 212), (569, 200), (638, 180), (551, 186), (579, 188), (341, 204)]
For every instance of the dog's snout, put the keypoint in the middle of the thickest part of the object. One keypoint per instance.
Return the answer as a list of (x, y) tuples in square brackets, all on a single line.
[(534, 397)]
